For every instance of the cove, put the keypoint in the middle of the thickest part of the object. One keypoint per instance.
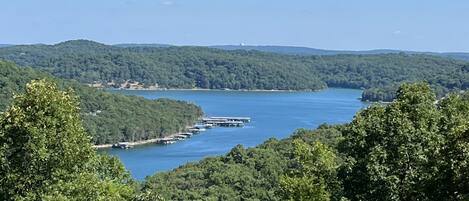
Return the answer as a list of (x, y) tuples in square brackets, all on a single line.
[(274, 114)]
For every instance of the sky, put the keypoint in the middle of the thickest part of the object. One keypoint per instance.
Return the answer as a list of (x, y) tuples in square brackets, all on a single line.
[(420, 25)]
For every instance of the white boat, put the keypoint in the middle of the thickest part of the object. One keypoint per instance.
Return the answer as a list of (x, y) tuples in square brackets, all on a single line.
[(169, 142)]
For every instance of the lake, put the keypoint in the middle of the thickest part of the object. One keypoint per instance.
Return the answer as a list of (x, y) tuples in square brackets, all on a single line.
[(273, 114)]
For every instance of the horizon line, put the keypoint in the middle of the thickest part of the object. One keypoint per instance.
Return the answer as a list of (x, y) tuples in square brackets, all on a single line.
[(237, 45)]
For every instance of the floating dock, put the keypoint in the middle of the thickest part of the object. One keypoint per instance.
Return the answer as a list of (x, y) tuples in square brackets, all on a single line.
[(231, 124), (166, 140), (187, 134), (205, 123), (122, 145), (226, 121), (208, 120)]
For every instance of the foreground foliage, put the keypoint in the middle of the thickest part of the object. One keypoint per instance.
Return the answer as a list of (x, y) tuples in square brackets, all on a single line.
[(108, 117), (415, 148), (315, 177), (243, 174), (45, 153)]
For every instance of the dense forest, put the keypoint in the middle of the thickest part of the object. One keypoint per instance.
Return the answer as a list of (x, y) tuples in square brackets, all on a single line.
[(191, 67), (415, 148), (46, 154), (410, 149), (295, 50), (108, 117)]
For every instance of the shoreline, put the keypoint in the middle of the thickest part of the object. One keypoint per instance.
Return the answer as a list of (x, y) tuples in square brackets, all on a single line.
[(136, 143), (204, 89)]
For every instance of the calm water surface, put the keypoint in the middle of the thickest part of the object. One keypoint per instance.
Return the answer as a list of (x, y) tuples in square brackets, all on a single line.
[(274, 114)]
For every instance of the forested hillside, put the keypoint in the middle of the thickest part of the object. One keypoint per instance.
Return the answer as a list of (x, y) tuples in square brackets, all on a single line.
[(108, 117), (173, 67), (46, 154), (410, 149), (189, 67), (243, 174), (305, 51)]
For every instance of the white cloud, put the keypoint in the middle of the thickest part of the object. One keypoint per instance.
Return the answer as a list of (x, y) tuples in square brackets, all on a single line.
[(397, 32)]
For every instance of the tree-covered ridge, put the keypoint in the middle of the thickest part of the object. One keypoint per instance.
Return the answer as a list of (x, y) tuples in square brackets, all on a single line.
[(108, 117), (46, 154), (381, 75), (415, 148), (295, 50), (189, 67)]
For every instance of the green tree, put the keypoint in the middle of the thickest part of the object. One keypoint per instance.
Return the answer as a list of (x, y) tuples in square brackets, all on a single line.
[(394, 150), (45, 153), (453, 183), (315, 177)]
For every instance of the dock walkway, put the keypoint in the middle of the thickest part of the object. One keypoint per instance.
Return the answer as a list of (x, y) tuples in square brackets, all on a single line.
[(205, 123), (226, 121)]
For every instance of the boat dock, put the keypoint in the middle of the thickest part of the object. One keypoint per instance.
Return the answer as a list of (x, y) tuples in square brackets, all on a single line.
[(166, 140), (122, 145), (242, 119), (203, 125), (226, 121)]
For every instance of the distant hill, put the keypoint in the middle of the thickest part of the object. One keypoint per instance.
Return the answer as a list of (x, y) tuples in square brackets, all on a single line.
[(379, 72), (293, 50), (5, 45), (141, 45), (305, 51), (455, 55)]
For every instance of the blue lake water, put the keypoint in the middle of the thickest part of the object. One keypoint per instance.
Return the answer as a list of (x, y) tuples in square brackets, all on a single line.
[(274, 114)]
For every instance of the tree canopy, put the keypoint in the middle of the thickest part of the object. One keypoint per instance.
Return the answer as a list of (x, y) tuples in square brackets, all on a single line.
[(108, 117), (315, 177), (188, 67), (45, 153)]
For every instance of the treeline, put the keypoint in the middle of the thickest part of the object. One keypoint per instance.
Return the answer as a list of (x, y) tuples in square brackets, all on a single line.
[(189, 67), (108, 117), (410, 149)]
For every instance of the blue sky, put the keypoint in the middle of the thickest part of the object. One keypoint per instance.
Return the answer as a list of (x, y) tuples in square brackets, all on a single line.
[(423, 25)]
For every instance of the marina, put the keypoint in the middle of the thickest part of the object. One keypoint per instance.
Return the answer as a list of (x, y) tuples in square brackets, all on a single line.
[(226, 121), (201, 126), (122, 145)]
